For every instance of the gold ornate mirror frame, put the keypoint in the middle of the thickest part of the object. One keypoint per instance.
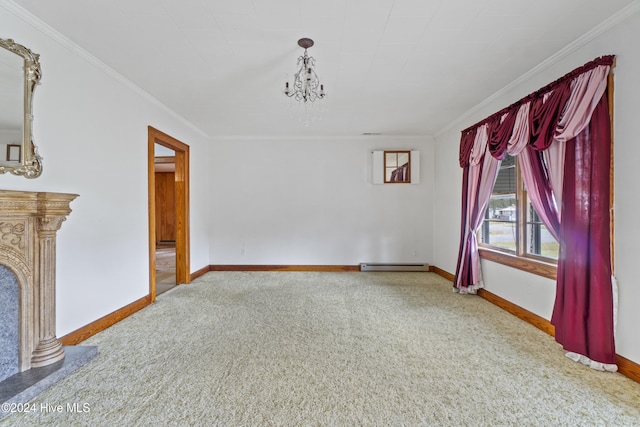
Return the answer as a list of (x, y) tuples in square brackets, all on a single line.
[(30, 162)]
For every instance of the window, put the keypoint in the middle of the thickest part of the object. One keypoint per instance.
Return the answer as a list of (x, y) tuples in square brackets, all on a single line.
[(511, 223), (397, 167)]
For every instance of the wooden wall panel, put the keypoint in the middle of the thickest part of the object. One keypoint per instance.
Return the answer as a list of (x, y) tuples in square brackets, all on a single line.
[(165, 207)]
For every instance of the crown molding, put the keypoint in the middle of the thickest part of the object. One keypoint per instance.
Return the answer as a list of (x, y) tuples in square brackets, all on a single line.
[(55, 35), (572, 47), (382, 137)]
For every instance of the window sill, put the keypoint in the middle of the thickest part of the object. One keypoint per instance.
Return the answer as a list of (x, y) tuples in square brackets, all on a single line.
[(526, 264)]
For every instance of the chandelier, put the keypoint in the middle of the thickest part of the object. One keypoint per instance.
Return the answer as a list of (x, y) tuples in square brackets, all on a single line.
[(306, 84)]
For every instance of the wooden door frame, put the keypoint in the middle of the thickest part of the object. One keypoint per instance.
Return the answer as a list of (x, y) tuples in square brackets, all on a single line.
[(182, 207)]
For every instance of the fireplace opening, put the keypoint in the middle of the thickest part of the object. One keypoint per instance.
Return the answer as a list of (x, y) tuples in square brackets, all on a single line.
[(9, 345)]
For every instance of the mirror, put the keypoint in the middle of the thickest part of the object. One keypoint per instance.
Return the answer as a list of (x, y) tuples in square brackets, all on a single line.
[(397, 167), (19, 74)]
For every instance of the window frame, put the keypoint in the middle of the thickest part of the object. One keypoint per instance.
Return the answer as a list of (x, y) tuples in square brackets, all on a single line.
[(519, 258), (397, 166)]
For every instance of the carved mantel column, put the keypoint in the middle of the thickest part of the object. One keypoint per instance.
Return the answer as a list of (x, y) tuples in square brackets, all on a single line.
[(32, 256), (53, 209)]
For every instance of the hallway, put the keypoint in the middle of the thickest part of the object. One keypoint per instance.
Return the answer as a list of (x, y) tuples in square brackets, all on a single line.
[(165, 268)]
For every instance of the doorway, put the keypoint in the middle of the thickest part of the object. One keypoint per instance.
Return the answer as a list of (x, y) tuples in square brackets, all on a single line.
[(168, 177), (165, 197)]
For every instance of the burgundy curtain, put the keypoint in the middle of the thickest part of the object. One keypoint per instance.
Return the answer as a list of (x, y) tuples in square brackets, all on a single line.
[(583, 310), (466, 144), (545, 111), (571, 116)]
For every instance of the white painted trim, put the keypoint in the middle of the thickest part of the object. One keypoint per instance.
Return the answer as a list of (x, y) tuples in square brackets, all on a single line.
[(415, 167), (386, 139), (605, 25), (377, 170), (52, 33)]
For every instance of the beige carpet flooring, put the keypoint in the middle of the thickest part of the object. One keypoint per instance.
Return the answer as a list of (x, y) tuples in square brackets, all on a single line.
[(331, 349)]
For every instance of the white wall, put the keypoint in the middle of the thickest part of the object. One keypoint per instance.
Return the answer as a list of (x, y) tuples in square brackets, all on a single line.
[(529, 291), (91, 129), (311, 202)]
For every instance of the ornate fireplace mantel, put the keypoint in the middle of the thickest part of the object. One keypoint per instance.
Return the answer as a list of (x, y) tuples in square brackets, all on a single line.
[(28, 225)]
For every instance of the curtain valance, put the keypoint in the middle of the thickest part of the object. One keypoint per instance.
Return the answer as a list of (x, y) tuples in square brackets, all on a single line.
[(549, 115)]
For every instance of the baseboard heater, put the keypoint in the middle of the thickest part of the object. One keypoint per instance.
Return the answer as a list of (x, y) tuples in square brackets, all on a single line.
[(373, 266)]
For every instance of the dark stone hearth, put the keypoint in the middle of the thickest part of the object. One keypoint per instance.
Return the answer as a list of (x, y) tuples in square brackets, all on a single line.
[(24, 386)]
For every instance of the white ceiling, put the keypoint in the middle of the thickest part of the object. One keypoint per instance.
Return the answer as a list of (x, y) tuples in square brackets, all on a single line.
[(398, 67)]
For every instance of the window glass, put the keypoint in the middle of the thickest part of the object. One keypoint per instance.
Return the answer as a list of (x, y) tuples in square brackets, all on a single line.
[(501, 228), (397, 167), (539, 240)]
